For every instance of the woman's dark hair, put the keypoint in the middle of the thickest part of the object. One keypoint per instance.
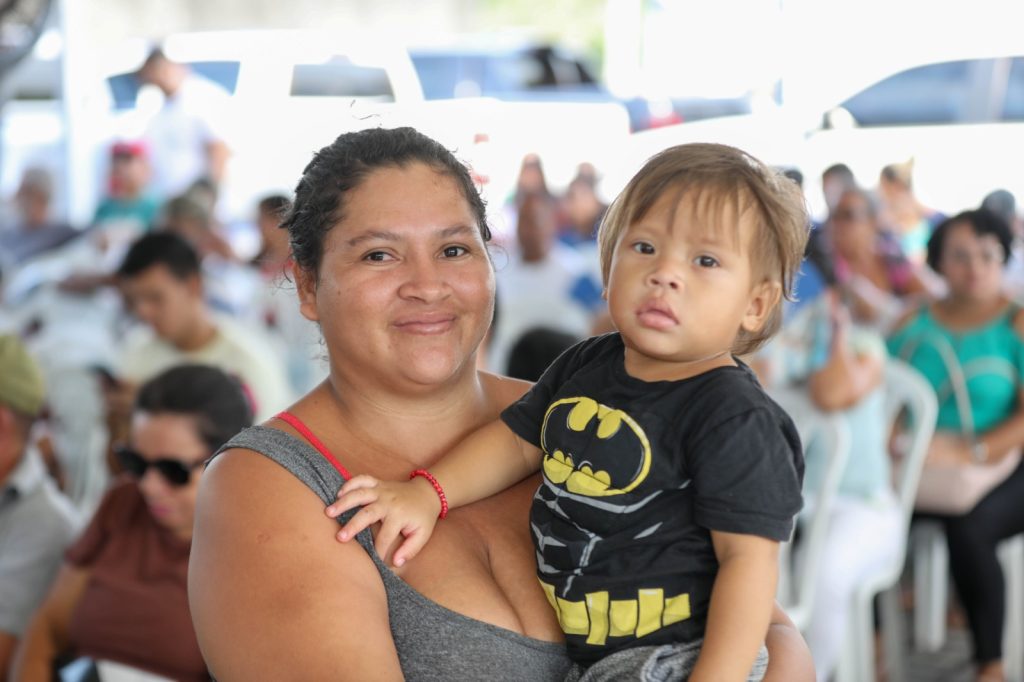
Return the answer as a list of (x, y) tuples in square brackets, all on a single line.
[(981, 221), (342, 165), (214, 399)]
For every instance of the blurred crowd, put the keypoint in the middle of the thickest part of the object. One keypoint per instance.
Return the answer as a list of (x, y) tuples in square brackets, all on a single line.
[(105, 325)]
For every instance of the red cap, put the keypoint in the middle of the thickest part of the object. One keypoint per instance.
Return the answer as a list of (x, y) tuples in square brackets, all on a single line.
[(136, 148)]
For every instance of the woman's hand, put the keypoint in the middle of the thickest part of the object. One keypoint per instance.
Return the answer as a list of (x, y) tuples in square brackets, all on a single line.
[(409, 509), (949, 449)]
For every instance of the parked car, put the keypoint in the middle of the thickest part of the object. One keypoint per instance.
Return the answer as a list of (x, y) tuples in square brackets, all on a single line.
[(524, 71), (961, 120)]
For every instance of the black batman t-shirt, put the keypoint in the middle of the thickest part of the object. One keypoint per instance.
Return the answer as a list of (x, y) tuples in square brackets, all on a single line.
[(635, 476)]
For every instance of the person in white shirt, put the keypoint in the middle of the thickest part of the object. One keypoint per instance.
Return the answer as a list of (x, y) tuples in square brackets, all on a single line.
[(544, 284), (188, 134)]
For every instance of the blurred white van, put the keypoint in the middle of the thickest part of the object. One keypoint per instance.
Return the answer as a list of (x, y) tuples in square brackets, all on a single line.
[(961, 120)]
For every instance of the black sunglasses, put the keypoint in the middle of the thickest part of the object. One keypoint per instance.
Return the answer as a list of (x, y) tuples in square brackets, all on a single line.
[(174, 471)]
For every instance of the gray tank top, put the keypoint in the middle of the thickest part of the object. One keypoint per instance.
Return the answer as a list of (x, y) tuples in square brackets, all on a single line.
[(433, 643)]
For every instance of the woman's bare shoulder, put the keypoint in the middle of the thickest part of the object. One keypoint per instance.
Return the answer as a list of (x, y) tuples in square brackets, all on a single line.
[(263, 547), (502, 390)]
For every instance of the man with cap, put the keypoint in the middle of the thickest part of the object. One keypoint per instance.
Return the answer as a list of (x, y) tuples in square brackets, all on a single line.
[(36, 520)]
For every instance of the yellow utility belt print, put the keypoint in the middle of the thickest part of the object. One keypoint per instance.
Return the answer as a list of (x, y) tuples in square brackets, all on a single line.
[(600, 618)]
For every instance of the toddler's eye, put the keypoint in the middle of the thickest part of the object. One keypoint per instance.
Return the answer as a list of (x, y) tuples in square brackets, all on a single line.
[(455, 251), (706, 262), (643, 247)]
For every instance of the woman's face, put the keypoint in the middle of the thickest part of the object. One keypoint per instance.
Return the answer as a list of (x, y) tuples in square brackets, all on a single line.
[(406, 288), (170, 437), (853, 228), (972, 264)]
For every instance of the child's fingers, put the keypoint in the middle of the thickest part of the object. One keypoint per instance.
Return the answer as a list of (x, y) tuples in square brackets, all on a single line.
[(351, 500), (361, 520), (386, 536), (410, 547), (356, 483)]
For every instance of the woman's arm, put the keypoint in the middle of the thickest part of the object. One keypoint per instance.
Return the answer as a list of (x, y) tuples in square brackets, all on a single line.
[(270, 597), (47, 634), (846, 377)]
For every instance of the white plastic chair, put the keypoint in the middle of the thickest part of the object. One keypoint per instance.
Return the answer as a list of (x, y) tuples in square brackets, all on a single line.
[(931, 593), (798, 574), (905, 391)]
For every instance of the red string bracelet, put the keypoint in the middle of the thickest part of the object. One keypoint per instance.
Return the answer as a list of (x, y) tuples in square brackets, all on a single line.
[(437, 486)]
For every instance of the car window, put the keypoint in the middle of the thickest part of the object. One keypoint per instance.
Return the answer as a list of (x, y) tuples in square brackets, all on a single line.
[(339, 77), (935, 93), (124, 87), (520, 71), (447, 76), (1013, 106)]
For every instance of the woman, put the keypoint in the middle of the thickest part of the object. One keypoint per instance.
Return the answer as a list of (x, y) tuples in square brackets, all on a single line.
[(389, 240), (872, 273), (121, 595), (985, 333), (840, 363)]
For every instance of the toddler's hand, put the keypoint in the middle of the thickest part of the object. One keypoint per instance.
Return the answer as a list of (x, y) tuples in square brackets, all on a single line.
[(409, 509)]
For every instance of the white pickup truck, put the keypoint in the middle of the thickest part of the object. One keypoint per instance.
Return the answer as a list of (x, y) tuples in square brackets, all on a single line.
[(292, 93)]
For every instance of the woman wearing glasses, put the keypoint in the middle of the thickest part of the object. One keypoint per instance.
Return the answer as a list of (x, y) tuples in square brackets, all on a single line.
[(121, 595)]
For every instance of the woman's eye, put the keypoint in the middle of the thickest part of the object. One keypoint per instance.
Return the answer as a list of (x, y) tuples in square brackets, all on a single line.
[(455, 251), (706, 262), (377, 256), (644, 248)]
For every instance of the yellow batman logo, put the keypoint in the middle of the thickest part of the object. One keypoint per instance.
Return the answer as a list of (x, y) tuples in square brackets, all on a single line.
[(587, 450)]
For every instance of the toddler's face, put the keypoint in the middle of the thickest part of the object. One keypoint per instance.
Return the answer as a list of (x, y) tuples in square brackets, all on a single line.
[(681, 284)]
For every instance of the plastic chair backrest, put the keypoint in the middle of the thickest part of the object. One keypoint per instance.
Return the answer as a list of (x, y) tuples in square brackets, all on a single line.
[(798, 575), (907, 390)]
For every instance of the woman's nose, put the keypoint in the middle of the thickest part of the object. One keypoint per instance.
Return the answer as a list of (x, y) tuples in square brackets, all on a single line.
[(424, 281)]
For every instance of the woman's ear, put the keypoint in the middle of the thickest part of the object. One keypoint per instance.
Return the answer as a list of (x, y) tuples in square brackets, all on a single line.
[(305, 285), (763, 299)]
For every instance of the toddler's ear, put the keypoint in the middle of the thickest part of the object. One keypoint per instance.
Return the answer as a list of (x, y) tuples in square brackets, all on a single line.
[(763, 299)]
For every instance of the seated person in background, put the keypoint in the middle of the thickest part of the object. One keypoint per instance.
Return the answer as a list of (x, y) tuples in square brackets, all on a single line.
[(128, 204), (840, 361), (910, 221), (1004, 204), (298, 338), (36, 521), (121, 595), (875, 279), (544, 284), (231, 287), (161, 283), (35, 231), (669, 476), (975, 332), (126, 212)]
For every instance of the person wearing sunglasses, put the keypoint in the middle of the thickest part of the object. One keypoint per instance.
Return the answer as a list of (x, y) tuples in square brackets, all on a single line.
[(121, 594)]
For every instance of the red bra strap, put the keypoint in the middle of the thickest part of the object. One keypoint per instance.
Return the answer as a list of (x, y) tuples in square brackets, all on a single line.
[(297, 424)]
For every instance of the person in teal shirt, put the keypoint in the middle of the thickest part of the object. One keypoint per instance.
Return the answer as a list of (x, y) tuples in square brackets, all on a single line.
[(128, 203), (974, 336)]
